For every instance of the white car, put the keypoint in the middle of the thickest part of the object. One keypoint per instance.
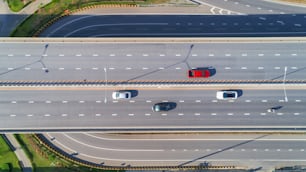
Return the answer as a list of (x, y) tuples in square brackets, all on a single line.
[(226, 95), (122, 95)]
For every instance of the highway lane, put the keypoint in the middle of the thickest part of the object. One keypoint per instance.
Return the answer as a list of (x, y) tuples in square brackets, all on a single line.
[(195, 109), (151, 61), (141, 25), (255, 7), (184, 149)]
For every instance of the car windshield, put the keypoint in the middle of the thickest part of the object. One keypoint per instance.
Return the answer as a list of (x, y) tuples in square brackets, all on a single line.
[(229, 95)]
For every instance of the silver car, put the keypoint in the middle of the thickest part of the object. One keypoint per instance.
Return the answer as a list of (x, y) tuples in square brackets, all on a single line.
[(121, 95), (227, 95)]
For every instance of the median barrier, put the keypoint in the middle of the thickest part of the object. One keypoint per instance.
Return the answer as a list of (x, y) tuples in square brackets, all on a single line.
[(46, 143)]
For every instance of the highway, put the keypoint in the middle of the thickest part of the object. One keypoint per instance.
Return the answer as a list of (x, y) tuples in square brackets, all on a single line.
[(255, 7), (247, 150), (197, 25), (195, 109), (239, 61)]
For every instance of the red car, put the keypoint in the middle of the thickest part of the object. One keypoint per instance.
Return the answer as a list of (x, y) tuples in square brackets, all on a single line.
[(198, 73)]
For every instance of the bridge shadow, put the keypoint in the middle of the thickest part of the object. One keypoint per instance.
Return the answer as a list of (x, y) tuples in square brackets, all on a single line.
[(223, 150)]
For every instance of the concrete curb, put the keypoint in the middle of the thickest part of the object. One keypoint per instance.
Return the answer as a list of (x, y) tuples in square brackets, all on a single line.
[(155, 40)]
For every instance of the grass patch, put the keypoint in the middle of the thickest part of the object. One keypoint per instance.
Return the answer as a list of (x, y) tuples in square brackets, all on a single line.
[(17, 5), (57, 8), (296, 1), (8, 159)]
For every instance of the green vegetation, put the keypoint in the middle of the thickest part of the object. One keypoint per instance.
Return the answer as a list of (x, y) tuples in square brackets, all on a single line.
[(17, 5), (8, 160), (58, 7)]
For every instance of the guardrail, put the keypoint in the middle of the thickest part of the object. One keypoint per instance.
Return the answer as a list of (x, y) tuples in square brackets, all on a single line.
[(46, 143), (142, 82)]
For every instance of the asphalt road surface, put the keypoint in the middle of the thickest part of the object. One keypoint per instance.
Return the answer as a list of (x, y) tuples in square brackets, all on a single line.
[(195, 109), (178, 25), (151, 61), (253, 151)]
